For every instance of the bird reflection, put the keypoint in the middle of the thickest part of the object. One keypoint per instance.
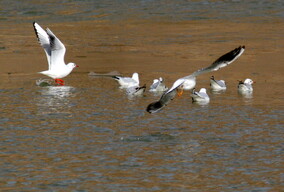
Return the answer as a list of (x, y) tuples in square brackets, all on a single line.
[(247, 97), (55, 100)]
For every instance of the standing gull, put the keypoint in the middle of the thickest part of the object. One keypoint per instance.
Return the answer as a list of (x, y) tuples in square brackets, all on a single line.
[(55, 51), (189, 82), (217, 85)]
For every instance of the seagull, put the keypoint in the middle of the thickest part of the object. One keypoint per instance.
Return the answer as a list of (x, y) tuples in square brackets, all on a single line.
[(135, 90), (246, 86), (217, 85), (158, 85), (55, 51), (126, 82), (189, 82), (200, 96)]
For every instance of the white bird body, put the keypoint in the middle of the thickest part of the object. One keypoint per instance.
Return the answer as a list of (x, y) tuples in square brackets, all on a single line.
[(200, 96), (59, 72), (217, 85), (126, 82), (55, 52), (246, 86)]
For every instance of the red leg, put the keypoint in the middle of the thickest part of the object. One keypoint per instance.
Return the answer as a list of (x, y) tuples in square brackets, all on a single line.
[(59, 81)]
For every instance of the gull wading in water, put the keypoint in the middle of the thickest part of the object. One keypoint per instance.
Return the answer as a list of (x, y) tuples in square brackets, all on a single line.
[(158, 85), (200, 96), (217, 85), (55, 51), (189, 82), (246, 86), (126, 82)]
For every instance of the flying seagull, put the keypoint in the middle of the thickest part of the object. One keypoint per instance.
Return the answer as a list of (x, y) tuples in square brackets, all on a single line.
[(55, 51), (189, 82)]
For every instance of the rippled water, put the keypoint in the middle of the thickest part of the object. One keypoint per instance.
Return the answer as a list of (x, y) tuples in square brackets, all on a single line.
[(74, 10), (90, 136), (95, 138)]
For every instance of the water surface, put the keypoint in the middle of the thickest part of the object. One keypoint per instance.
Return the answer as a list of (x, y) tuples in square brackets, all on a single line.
[(90, 136)]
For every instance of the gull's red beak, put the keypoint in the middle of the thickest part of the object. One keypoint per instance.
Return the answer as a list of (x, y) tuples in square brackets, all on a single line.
[(77, 65)]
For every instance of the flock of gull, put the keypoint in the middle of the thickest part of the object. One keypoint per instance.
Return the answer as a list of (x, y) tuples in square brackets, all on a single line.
[(57, 69)]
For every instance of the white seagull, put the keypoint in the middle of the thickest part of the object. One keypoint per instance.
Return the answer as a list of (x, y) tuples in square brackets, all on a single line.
[(246, 86), (126, 82), (189, 82), (200, 96), (158, 85), (217, 85), (135, 90), (55, 51)]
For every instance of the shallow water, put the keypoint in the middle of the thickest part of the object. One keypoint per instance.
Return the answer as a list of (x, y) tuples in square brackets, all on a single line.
[(90, 136)]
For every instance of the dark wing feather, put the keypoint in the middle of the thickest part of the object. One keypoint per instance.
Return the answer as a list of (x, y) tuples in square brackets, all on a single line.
[(164, 100), (222, 61)]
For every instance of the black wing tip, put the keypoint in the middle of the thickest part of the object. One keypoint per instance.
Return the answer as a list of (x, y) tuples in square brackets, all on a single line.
[(240, 82), (238, 50), (154, 107), (115, 77), (35, 30)]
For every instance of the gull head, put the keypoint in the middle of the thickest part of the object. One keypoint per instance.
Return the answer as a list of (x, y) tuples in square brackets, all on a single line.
[(155, 81), (249, 81), (72, 65), (202, 90)]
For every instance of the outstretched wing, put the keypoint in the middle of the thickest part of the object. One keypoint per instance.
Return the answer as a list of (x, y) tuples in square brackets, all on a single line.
[(165, 98), (43, 40), (57, 50), (221, 62)]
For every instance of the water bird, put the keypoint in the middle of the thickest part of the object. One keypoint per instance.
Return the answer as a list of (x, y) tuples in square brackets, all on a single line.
[(158, 85), (217, 85), (135, 90), (200, 96), (245, 86), (55, 52), (126, 82), (189, 82)]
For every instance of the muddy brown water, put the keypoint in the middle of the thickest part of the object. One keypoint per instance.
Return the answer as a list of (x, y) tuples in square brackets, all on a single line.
[(90, 136)]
